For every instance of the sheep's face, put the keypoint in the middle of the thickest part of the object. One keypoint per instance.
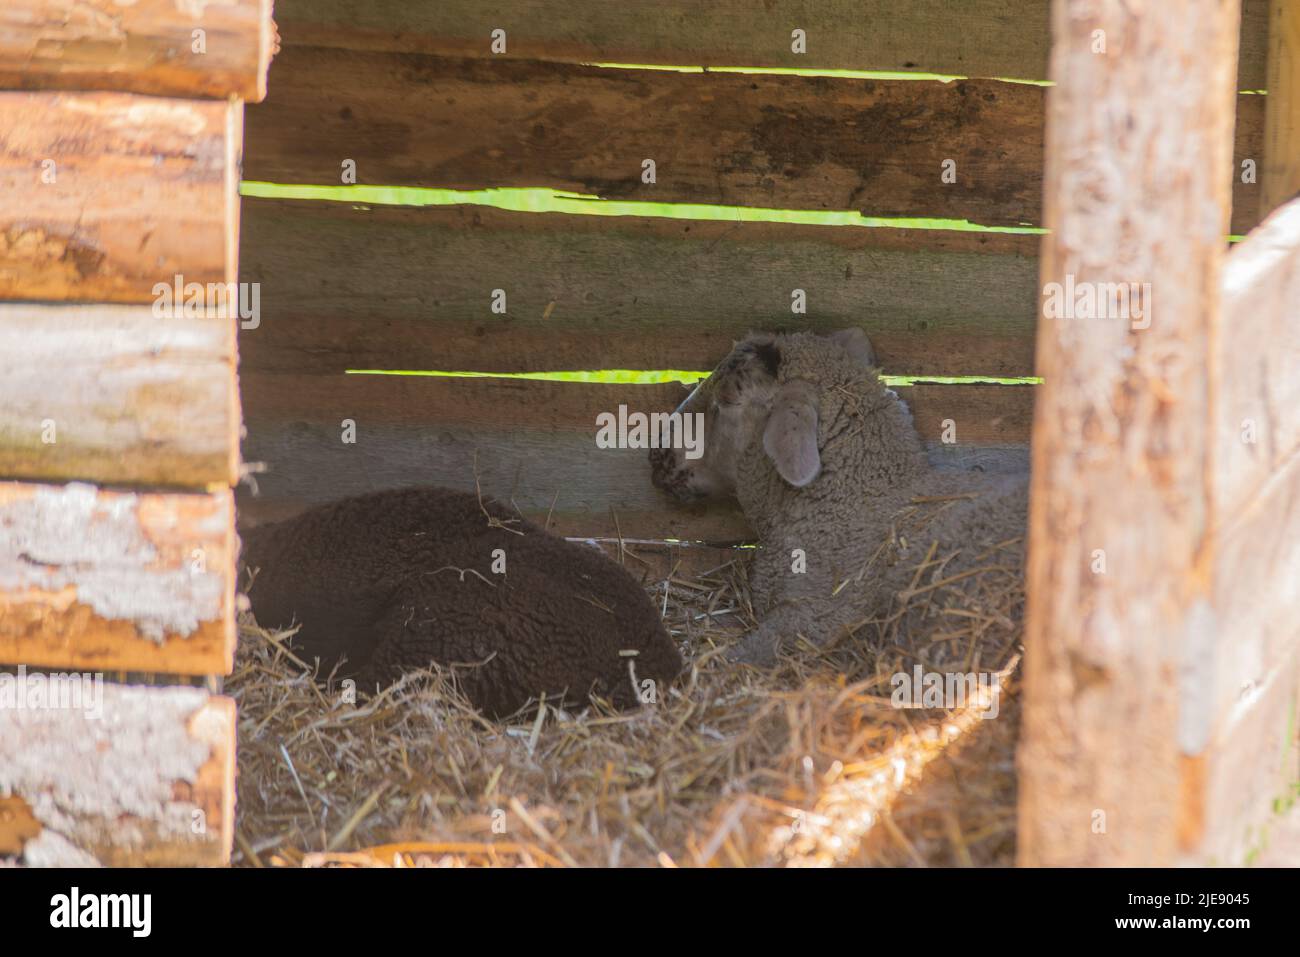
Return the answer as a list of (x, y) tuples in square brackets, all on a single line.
[(734, 401), (744, 402)]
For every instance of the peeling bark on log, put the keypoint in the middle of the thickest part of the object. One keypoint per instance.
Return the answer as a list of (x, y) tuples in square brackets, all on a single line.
[(119, 776), (142, 46), (115, 580), (103, 195), (1253, 759), (138, 398), (1138, 142)]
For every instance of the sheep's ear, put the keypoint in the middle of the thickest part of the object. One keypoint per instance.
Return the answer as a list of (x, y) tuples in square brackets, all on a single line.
[(790, 437), (855, 342)]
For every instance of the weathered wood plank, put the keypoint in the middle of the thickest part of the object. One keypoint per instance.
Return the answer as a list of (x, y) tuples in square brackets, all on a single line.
[(983, 38), (1280, 173), (1110, 758), (141, 46), (533, 443), (397, 287), (116, 580), (128, 776), (1253, 769), (793, 142), (771, 141), (981, 414), (1253, 673), (1257, 414), (137, 399), (106, 194)]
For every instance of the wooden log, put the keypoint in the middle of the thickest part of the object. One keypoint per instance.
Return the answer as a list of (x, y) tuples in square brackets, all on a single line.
[(92, 579), (1280, 173), (981, 38), (532, 443), (1257, 425), (406, 288), (878, 146), (144, 46), (1121, 445), (118, 776), (111, 193), (143, 399)]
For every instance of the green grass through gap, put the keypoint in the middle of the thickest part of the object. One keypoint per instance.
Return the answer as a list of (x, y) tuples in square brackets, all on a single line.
[(542, 200), (686, 377)]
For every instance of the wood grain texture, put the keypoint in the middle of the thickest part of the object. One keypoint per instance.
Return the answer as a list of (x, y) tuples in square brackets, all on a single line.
[(786, 142), (141, 46), (1253, 756), (1257, 413), (142, 189), (1252, 760), (137, 398), (532, 443), (100, 580), (982, 38), (1280, 171), (130, 777), (1121, 442), (411, 288), (770, 141)]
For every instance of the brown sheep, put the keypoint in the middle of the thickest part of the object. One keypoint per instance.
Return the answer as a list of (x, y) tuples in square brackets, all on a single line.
[(828, 468), (402, 579)]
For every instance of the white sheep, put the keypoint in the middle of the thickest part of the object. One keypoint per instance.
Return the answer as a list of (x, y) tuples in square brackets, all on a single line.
[(852, 519)]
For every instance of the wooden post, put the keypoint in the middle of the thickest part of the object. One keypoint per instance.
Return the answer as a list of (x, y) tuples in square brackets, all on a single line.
[(1118, 624), (1280, 176)]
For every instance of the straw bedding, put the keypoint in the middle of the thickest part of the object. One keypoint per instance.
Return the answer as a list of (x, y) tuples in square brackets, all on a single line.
[(808, 763)]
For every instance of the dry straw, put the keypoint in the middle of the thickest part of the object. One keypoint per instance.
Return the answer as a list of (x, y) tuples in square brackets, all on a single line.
[(808, 763)]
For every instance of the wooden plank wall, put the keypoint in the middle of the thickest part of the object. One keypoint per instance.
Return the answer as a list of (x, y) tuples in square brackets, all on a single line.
[(980, 38), (414, 95), (1249, 770), (116, 176)]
